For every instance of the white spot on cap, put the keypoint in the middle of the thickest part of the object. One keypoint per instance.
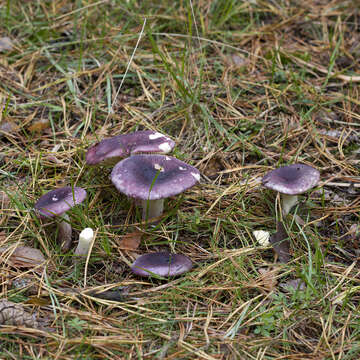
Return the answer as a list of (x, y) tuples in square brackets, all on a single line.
[(165, 147), (181, 168), (159, 167), (54, 198), (155, 136), (196, 176)]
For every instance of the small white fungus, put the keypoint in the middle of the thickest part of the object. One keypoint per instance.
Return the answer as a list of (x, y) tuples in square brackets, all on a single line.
[(262, 237)]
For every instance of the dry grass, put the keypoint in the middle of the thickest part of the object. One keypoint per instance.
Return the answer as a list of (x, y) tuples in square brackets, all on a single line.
[(242, 87)]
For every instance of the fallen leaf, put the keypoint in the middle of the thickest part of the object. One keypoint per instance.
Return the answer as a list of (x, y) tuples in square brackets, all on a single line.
[(5, 44), (8, 127), (294, 284), (4, 200), (213, 166), (14, 314), (39, 125), (268, 278), (281, 243), (113, 295), (130, 241), (22, 256), (238, 61), (2, 236), (354, 231), (38, 301)]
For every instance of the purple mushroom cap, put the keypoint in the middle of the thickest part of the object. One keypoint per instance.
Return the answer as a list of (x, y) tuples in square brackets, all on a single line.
[(58, 201), (153, 177), (162, 264), (293, 179), (129, 144)]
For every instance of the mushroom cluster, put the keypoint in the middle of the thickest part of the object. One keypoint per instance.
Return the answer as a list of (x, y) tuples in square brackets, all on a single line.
[(144, 172)]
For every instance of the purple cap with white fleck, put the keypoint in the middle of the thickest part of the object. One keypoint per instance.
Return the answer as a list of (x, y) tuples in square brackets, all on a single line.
[(129, 144), (153, 177), (58, 201), (293, 179), (162, 264)]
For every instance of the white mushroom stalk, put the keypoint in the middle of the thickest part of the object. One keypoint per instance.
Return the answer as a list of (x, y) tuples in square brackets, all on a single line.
[(152, 208), (86, 238), (287, 203), (65, 232)]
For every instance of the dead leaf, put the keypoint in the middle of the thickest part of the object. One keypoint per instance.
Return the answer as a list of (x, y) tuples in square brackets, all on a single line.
[(4, 200), (14, 314), (39, 125), (113, 295), (238, 61), (294, 284), (130, 241), (2, 236), (22, 256), (5, 44), (38, 301), (268, 278), (213, 167), (8, 127), (281, 243), (354, 231)]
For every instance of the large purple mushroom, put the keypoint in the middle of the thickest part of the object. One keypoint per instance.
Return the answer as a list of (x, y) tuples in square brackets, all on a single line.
[(152, 178), (56, 203), (291, 181), (162, 264), (121, 146)]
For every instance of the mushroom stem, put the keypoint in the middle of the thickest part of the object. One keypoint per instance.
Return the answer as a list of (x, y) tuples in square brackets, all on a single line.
[(65, 232), (85, 239), (287, 202), (152, 208)]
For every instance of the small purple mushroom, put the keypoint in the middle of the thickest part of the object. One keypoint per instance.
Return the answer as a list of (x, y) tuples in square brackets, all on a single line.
[(56, 203), (290, 181), (118, 147), (152, 178), (162, 264)]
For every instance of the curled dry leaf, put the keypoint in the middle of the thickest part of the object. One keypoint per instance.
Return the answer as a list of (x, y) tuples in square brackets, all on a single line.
[(281, 243), (22, 256), (14, 314), (130, 241)]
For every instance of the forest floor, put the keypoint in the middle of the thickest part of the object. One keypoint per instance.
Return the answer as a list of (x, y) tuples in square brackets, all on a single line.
[(242, 87)]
